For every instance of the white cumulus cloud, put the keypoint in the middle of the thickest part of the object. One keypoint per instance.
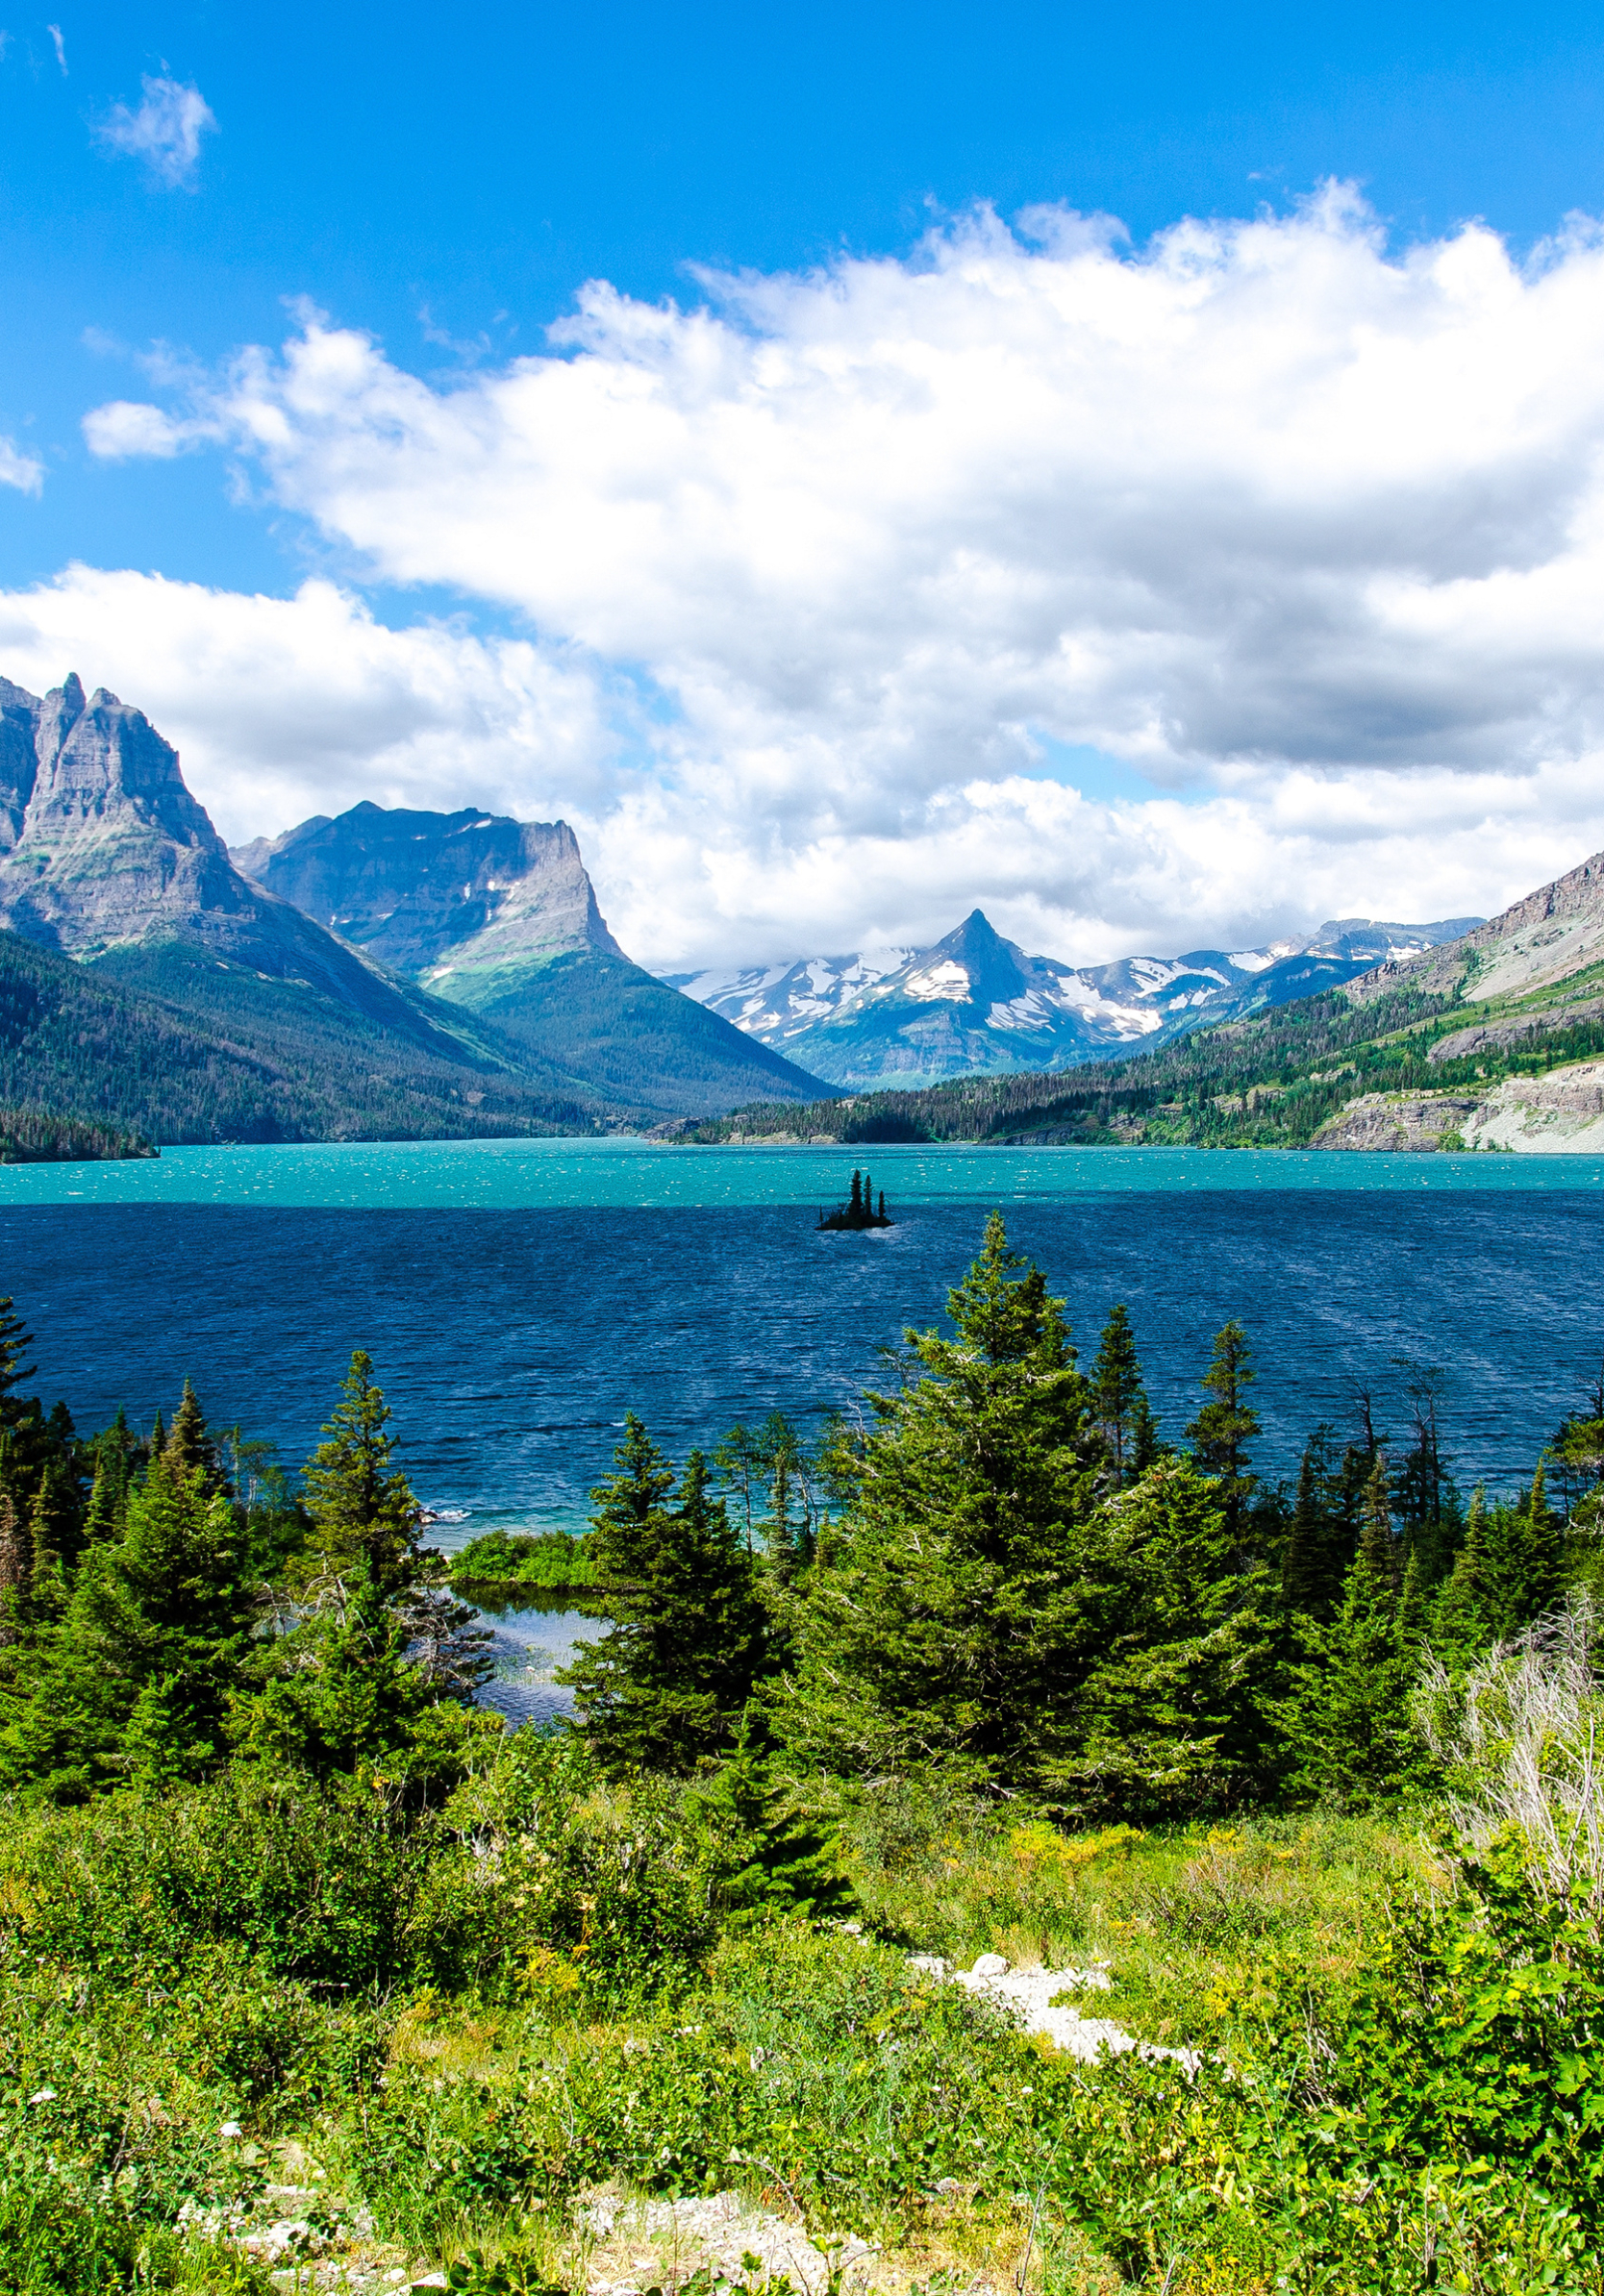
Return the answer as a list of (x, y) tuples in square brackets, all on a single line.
[(165, 130), (23, 471), (1308, 531), (285, 707)]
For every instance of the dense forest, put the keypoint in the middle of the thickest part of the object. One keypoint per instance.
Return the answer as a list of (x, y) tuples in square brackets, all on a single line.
[(306, 1960), (1270, 1082), (205, 1052)]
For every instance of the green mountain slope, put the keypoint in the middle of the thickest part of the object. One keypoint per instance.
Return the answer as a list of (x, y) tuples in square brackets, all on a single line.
[(499, 916), (606, 1019), (207, 1053)]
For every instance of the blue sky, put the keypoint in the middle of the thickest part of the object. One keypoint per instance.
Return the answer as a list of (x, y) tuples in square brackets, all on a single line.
[(447, 185), (422, 175)]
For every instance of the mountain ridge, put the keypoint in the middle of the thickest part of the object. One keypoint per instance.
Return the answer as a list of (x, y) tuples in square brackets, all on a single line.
[(1494, 1039), (976, 1003)]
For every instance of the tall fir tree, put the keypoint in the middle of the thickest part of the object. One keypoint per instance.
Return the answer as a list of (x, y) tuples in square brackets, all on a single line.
[(1226, 1425), (1345, 1719), (667, 1685), (364, 1513), (956, 1605), (1170, 1718), (769, 1856), (159, 1625), (1119, 1399), (1312, 1560)]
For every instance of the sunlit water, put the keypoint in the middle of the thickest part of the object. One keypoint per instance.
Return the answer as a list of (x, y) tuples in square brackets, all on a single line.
[(519, 1297)]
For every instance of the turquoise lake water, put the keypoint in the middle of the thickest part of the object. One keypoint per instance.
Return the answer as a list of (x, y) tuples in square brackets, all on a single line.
[(541, 1175), (519, 1297)]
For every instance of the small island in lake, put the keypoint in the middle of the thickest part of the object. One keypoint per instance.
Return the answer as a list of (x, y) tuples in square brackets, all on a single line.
[(859, 1210)]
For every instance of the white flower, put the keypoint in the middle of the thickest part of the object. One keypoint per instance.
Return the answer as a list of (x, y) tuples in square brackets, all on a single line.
[(231, 2129), (42, 2096)]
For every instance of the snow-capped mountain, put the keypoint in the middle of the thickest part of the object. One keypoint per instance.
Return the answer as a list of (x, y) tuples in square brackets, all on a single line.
[(977, 1004)]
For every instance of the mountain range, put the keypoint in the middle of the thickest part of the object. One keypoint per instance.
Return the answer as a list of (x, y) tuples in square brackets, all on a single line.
[(150, 986), (1491, 1039), (976, 1003)]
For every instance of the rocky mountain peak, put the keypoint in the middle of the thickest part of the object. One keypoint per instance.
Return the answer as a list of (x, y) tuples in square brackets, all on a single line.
[(436, 893)]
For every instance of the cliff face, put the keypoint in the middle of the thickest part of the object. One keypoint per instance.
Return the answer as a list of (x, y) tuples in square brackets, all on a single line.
[(105, 844), (1534, 944), (498, 917), (436, 893)]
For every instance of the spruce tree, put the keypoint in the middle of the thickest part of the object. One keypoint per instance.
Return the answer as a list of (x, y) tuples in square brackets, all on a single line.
[(365, 1516), (1311, 1568), (1225, 1426), (1346, 1719), (162, 1621), (1118, 1400), (1461, 1616), (667, 1685), (342, 1692), (768, 1856), (957, 1606), (1171, 1720), (14, 1343)]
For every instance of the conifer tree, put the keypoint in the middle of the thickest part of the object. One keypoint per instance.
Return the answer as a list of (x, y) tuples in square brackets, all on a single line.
[(1460, 1626), (1346, 1716), (667, 1685), (956, 1608), (1311, 1568), (1118, 1400), (363, 1513), (1225, 1426), (343, 1691), (1376, 1542), (1171, 1713), (190, 1444), (167, 1617), (770, 1858), (14, 1343)]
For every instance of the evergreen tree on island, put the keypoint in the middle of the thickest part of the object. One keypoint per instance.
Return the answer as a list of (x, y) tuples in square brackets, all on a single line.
[(858, 1211)]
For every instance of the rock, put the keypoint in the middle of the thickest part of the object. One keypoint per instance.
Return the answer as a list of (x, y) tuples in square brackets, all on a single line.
[(1029, 1993), (422, 891), (930, 1964), (718, 2230)]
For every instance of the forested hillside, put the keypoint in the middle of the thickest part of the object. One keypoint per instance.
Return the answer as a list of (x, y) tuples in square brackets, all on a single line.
[(308, 1966), (237, 1060)]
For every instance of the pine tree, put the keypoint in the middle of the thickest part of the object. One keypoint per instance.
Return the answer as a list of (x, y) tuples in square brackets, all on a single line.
[(1171, 1720), (667, 1687), (14, 1343), (1225, 1426), (1118, 1400), (1311, 1567), (1376, 1543), (363, 1513), (1346, 1716), (1460, 1618), (955, 1607), (159, 1624), (768, 1856), (190, 1444), (342, 1691)]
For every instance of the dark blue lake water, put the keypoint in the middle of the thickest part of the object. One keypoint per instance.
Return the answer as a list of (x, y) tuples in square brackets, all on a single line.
[(519, 1298)]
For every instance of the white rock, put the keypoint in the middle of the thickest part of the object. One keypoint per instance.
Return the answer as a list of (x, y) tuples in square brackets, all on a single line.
[(930, 1964), (989, 1964)]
